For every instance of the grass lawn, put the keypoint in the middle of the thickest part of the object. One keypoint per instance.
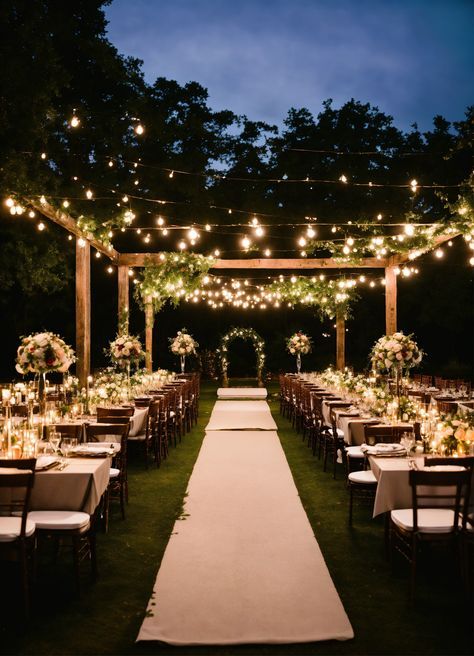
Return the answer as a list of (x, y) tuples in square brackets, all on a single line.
[(106, 619)]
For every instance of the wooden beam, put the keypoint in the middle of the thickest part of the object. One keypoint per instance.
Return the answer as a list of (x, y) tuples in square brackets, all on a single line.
[(123, 296), (390, 300), (140, 259), (83, 311), (149, 321), (66, 221), (340, 341), (397, 260)]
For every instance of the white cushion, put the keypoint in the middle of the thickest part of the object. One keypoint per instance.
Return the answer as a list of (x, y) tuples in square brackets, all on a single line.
[(59, 519), (363, 477), (114, 473), (140, 437), (354, 452), (430, 520), (340, 433), (10, 528)]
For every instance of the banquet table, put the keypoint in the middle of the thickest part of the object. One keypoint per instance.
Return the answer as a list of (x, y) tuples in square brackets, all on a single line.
[(393, 487), (137, 422), (79, 486)]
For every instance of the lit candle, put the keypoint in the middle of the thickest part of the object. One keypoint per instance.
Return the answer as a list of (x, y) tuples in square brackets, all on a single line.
[(6, 396)]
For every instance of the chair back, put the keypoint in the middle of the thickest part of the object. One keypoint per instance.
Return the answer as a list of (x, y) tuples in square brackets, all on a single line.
[(440, 489), (70, 430), (19, 481), (115, 412), (117, 430), (375, 433)]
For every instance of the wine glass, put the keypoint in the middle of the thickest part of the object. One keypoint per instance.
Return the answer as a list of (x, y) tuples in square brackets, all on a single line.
[(67, 444), (55, 439)]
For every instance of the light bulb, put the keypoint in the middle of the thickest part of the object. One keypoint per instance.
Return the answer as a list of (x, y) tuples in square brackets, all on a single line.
[(66, 203), (125, 199), (267, 252), (41, 226), (182, 245), (74, 122), (302, 241), (193, 234), (110, 269), (139, 129), (81, 242), (343, 178), (259, 231), (310, 232), (207, 227), (246, 242), (98, 255), (89, 194), (439, 253), (409, 230), (217, 252), (9, 202)]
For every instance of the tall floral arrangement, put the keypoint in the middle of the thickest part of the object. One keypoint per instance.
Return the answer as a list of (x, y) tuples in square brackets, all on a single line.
[(396, 351), (183, 343), (125, 350), (299, 343), (44, 352)]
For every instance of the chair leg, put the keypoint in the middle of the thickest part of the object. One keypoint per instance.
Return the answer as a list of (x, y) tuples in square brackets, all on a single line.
[(93, 551), (25, 579), (76, 546), (350, 504)]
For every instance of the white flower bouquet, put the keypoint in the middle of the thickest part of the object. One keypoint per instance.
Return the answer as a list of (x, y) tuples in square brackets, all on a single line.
[(126, 349), (43, 352), (183, 343), (396, 351), (299, 343)]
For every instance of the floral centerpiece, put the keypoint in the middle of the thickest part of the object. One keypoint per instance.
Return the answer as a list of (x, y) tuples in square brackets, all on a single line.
[(183, 344), (454, 434), (41, 353), (299, 344), (110, 386), (126, 350), (396, 351)]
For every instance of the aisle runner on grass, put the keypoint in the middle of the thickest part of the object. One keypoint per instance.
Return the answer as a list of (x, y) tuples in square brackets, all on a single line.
[(241, 393), (241, 415), (243, 566)]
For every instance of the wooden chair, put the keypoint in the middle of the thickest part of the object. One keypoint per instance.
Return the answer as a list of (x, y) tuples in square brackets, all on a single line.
[(118, 483), (75, 431), (114, 412), (377, 433), (148, 435), (17, 530), (333, 440), (438, 499)]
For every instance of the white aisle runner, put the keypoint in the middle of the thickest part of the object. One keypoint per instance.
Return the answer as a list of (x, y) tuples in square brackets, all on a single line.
[(244, 566), (241, 415)]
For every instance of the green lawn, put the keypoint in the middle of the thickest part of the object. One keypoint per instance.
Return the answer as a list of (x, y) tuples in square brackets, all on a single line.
[(107, 617)]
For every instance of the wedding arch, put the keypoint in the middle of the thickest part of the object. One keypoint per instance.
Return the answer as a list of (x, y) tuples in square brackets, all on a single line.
[(243, 333)]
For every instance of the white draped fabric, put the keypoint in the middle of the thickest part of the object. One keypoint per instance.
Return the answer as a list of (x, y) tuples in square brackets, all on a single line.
[(243, 566)]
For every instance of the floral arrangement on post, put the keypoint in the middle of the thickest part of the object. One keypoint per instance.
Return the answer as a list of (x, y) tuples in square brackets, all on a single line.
[(41, 353), (126, 350), (299, 344), (183, 344)]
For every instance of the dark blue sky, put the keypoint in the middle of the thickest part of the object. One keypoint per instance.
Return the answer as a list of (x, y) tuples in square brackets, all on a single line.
[(412, 58)]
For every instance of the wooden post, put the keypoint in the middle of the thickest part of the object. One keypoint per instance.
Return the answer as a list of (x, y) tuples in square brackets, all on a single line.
[(390, 300), (83, 310), (340, 341), (123, 297), (149, 321)]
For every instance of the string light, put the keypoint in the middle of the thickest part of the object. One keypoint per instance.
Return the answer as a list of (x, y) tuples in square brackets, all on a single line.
[(139, 129), (439, 253), (98, 255), (66, 203), (246, 243), (74, 122), (41, 226), (89, 194), (110, 269), (81, 242)]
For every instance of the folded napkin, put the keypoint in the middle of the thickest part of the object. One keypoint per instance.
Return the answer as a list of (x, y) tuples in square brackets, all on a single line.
[(46, 462), (382, 449), (99, 451), (444, 468)]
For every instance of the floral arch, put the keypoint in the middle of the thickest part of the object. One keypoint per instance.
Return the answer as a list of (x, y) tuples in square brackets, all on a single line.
[(244, 333)]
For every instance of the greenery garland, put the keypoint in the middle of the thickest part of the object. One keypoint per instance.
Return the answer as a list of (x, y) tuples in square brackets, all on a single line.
[(329, 296), (244, 333), (179, 275)]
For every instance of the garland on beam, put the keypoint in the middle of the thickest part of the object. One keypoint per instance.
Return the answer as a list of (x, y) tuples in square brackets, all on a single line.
[(330, 297), (179, 275)]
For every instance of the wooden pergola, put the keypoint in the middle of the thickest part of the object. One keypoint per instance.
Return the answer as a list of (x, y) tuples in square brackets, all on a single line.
[(124, 261)]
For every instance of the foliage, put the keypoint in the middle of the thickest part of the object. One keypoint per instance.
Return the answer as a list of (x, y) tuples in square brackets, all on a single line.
[(328, 296), (178, 276), (455, 432)]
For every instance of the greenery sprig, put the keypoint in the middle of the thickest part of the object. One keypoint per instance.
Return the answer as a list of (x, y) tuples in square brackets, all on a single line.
[(179, 275)]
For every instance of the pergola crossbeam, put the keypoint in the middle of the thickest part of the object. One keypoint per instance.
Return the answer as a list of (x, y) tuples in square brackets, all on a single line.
[(143, 259), (66, 221)]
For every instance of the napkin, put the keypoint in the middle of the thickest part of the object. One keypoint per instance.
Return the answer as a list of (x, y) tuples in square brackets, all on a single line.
[(383, 449), (45, 462)]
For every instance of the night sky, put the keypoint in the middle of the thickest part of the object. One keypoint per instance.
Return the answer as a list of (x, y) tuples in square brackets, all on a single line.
[(411, 58)]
